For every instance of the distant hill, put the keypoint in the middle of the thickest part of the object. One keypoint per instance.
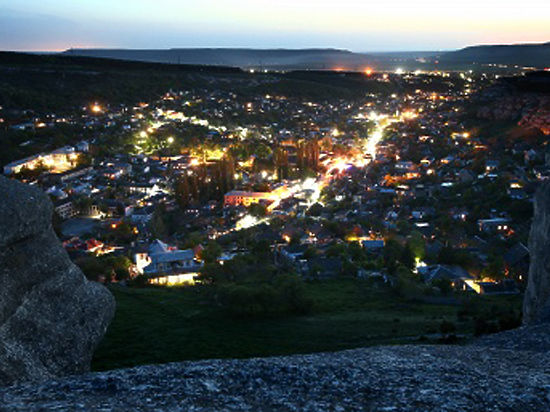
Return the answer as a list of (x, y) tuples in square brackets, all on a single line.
[(61, 82), (273, 59), (532, 55), (245, 58), (536, 55)]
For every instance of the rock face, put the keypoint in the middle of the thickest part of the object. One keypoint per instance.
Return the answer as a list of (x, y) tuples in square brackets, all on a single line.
[(51, 317), (536, 304), (488, 376)]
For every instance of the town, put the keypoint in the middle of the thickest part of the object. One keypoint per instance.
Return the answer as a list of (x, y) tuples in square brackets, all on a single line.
[(412, 188)]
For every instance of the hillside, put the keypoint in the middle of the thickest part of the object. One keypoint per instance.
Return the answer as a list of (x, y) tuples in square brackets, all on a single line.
[(63, 82), (533, 55)]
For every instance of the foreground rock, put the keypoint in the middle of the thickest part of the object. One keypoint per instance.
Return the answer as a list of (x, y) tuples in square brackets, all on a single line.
[(536, 304), (391, 378), (51, 317)]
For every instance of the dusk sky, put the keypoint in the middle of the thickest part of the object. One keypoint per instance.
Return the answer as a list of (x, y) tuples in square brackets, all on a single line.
[(35, 25)]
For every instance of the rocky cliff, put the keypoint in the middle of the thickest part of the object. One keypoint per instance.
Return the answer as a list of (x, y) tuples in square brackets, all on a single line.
[(536, 304), (51, 317)]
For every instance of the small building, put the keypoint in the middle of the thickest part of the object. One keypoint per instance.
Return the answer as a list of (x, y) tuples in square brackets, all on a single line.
[(495, 225), (455, 274), (294, 252), (373, 245), (516, 260), (244, 198), (504, 287), (166, 265), (324, 267), (65, 209)]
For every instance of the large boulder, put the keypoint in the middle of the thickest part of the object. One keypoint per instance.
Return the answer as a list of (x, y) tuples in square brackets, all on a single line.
[(51, 317), (536, 304)]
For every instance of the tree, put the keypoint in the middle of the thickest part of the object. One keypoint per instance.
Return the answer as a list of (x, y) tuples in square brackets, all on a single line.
[(417, 245), (315, 210), (262, 151), (257, 210), (407, 258), (124, 233), (444, 285), (157, 225), (211, 252), (446, 327), (495, 269), (182, 192), (281, 163)]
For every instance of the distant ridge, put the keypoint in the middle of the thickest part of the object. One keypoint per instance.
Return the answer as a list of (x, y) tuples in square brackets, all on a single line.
[(535, 55), (532, 55), (238, 57)]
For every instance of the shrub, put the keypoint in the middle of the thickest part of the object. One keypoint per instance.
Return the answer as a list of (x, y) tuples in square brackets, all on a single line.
[(446, 327), (285, 295)]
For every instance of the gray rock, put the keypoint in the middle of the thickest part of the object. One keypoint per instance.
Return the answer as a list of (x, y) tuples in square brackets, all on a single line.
[(390, 378), (51, 317), (536, 304)]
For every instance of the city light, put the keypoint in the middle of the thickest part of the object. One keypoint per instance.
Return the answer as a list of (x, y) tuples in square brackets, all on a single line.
[(170, 140), (96, 108)]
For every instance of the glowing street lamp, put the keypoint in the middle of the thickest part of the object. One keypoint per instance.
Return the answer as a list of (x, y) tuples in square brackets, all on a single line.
[(170, 140), (96, 108)]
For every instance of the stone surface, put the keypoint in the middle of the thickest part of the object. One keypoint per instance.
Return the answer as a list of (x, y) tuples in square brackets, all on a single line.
[(485, 376), (536, 304), (51, 317)]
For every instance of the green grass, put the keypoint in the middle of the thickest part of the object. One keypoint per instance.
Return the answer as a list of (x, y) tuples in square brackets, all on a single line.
[(167, 325)]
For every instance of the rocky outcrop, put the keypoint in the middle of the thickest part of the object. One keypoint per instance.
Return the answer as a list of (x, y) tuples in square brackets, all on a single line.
[(488, 376), (51, 317), (536, 304)]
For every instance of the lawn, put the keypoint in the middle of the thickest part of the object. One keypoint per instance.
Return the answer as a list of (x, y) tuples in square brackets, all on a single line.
[(167, 325)]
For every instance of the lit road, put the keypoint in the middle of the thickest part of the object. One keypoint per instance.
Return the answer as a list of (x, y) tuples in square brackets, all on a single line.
[(334, 166)]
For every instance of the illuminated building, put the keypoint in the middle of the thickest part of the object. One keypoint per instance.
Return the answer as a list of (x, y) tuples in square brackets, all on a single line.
[(58, 161), (243, 198), (168, 266)]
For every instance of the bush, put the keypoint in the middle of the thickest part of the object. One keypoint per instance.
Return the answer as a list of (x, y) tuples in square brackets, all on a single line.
[(444, 285), (447, 327), (483, 327), (509, 321), (285, 295), (406, 285)]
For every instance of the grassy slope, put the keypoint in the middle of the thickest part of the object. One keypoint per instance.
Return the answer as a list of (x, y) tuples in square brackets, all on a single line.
[(159, 325)]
